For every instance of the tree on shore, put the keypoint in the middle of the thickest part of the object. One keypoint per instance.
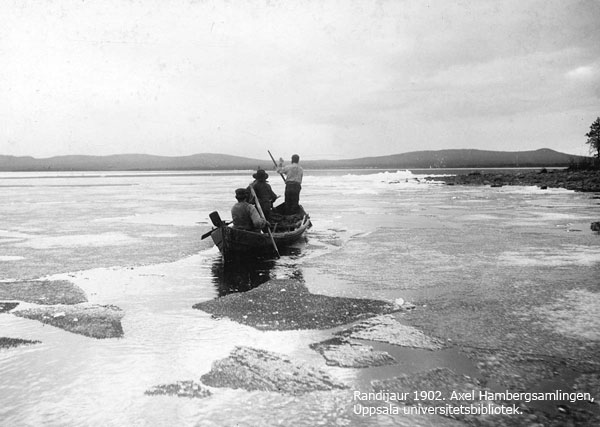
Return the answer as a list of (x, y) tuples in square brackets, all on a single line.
[(594, 138)]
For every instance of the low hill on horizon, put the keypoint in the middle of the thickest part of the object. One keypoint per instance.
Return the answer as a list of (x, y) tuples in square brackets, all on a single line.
[(452, 158), (467, 158)]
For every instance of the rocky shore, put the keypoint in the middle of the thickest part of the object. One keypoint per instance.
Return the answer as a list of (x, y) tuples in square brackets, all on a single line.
[(90, 320), (287, 304), (15, 342), (357, 327), (61, 304), (255, 369), (586, 181)]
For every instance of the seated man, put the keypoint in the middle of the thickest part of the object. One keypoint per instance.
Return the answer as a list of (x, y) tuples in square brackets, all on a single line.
[(263, 191), (244, 215)]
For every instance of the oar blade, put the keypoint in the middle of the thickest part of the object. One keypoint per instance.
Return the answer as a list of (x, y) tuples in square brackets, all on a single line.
[(215, 218)]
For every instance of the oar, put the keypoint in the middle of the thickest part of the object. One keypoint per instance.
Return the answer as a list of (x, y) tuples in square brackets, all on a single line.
[(215, 218), (276, 166), (260, 211), (217, 222), (205, 235)]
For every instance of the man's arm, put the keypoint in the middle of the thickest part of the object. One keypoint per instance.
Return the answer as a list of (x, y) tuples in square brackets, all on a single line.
[(272, 195), (257, 220)]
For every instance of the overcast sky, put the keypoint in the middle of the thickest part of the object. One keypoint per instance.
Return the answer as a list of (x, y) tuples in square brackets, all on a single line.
[(325, 79)]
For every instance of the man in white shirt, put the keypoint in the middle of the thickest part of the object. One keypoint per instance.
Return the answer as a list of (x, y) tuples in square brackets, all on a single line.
[(293, 184)]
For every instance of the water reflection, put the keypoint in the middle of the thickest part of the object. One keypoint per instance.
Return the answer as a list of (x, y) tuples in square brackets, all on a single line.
[(241, 274), (244, 273)]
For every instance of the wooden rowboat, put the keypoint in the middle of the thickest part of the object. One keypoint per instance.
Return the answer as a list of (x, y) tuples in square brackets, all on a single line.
[(286, 230)]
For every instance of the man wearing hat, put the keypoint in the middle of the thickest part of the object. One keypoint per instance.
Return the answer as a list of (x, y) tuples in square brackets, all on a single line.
[(263, 191), (244, 215)]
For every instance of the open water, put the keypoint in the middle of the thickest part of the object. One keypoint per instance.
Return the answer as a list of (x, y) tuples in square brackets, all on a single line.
[(133, 240)]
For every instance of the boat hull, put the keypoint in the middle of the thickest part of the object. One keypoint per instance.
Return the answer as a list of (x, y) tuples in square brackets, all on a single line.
[(232, 241)]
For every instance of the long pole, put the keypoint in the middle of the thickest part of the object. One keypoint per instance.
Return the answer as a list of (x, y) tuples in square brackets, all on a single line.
[(260, 211), (275, 163)]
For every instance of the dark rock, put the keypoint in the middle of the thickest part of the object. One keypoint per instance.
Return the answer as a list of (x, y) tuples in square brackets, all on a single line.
[(15, 342), (189, 389), (96, 321), (7, 306), (588, 181), (350, 354), (595, 226), (287, 305), (47, 292), (253, 369)]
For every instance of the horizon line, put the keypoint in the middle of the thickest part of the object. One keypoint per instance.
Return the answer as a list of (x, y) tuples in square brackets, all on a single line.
[(308, 160)]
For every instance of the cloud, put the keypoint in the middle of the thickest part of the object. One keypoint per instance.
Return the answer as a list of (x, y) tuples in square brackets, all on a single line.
[(582, 73), (186, 77)]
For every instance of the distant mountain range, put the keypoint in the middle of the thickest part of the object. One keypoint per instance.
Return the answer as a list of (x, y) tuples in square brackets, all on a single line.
[(459, 158)]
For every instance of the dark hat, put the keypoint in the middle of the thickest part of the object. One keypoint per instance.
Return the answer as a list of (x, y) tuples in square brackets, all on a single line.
[(260, 174), (241, 193)]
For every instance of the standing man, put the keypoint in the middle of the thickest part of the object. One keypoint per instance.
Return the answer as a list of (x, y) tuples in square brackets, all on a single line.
[(293, 184)]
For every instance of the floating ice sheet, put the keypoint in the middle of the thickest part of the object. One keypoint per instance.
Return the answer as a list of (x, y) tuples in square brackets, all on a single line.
[(177, 218), (103, 239), (10, 258), (573, 315), (552, 257)]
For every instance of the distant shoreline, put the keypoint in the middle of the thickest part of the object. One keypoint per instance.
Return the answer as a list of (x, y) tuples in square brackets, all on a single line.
[(441, 159), (170, 172), (584, 181)]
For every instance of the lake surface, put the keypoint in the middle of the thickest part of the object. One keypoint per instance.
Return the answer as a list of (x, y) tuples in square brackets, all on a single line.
[(133, 240)]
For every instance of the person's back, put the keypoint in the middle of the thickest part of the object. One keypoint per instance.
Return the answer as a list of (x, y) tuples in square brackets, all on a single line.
[(293, 184), (263, 191), (293, 173), (244, 215)]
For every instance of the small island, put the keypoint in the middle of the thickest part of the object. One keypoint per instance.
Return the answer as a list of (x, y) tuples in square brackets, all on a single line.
[(570, 179)]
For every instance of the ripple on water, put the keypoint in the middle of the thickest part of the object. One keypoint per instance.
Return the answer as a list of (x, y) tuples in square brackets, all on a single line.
[(564, 255)]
